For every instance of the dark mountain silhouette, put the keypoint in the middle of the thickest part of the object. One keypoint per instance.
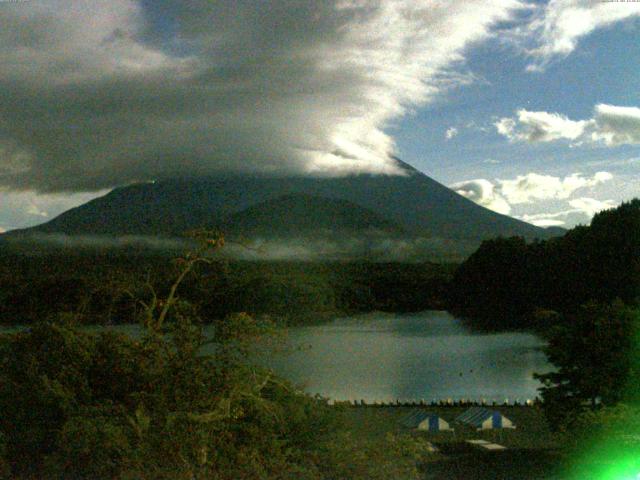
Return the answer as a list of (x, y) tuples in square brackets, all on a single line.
[(306, 215), (413, 203)]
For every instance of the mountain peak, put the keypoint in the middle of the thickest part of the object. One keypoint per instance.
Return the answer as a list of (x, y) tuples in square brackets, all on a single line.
[(414, 204)]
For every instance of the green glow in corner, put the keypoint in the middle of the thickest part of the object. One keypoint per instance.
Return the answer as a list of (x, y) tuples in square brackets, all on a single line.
[(625, 470), (609, 464)]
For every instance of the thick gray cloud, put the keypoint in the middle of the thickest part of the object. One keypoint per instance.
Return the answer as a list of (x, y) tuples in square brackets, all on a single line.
[(617, 125), (96, 93)]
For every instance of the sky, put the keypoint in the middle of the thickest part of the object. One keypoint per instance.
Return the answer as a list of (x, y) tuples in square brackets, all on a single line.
[(530, 108)]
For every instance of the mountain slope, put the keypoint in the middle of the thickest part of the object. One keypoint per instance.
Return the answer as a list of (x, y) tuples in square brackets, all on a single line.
[(298, 215), (415, 202)]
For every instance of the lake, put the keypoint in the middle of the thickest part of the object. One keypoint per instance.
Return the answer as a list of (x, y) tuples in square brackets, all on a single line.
[(428, 355), (384, 357)]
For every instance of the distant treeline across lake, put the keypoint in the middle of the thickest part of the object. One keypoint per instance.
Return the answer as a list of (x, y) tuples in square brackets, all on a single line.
[(104, 288), (509, 283)]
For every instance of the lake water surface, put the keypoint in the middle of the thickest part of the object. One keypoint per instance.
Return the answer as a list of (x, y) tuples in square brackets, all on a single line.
[(384, 357), (429, 355)]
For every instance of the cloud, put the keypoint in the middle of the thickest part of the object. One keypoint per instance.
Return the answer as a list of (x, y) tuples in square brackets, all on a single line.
[(532, 186), (610, 162), (582, 208), (616, 125), (611, 125), (379, 249), (556, 219), (500, 195), (591, 206), (36, 211), (97, 93), (539, 127), (491, 161), (484, 193), (545, 222), (558, 26), (100, 241), (451, 132), (27, 208)]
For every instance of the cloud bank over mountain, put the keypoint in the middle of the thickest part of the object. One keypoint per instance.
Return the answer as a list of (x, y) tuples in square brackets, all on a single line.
[(100, 93), (96, 94)]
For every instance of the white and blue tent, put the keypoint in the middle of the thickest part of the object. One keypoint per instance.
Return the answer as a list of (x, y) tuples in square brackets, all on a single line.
[(484, 419), (422, 420)]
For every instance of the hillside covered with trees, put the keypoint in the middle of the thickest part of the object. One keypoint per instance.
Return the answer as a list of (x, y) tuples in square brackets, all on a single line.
[(507, 280)]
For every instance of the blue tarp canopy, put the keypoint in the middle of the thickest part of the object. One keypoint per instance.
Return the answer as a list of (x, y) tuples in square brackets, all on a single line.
[(483, 418), (424, 421)]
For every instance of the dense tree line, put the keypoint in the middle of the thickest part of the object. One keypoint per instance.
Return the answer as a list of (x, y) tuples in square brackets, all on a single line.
[(103, 288), (506, 281)]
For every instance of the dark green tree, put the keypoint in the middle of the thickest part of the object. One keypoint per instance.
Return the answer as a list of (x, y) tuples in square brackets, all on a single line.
[(83, 405), (595, 352), (492, 285)]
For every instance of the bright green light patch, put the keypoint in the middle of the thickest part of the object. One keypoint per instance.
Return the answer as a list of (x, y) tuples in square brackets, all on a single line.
[(609, 464), (606, 444), (625, 470)]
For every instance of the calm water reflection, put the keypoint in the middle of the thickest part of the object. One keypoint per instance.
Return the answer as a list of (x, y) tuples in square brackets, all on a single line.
[(430, 355)]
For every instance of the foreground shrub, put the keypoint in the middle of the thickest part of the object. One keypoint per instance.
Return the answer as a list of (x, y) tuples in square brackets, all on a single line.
[(80, 405)]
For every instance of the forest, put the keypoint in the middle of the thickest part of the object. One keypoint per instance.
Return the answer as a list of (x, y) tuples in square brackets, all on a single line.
[(509, 283), (103, 287)]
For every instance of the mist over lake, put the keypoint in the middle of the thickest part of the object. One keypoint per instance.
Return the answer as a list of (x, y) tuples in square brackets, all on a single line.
[(428, 355)]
